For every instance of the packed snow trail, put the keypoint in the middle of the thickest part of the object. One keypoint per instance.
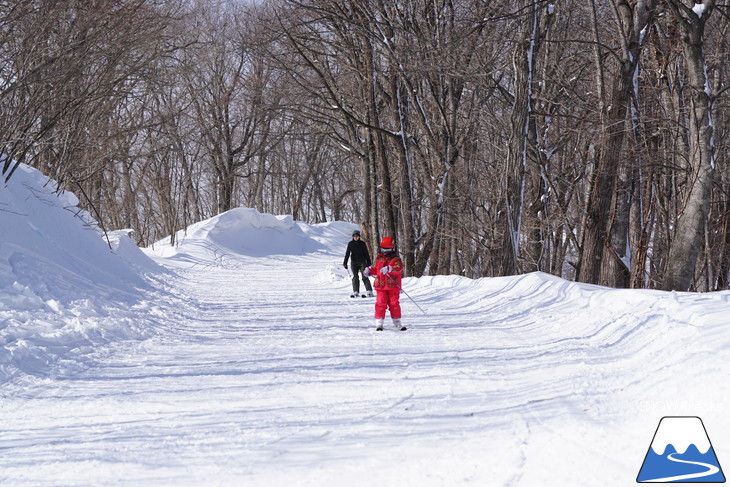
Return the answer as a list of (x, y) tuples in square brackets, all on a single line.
[(256, 368), (271, 375)]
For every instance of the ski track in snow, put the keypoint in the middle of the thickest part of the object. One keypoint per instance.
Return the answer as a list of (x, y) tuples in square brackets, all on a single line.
[(266, 373)]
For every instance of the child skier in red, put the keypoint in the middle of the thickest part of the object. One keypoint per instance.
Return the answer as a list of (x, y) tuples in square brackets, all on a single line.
[(388, 273)]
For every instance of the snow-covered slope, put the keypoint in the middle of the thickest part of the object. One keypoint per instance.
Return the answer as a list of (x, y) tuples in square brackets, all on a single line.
[(52, 246), (243, 362), (60, 279)]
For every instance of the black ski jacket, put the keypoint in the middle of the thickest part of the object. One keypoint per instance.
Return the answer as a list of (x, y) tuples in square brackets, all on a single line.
[(359, 251)]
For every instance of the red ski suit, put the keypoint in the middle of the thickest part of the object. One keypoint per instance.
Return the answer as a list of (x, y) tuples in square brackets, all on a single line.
[(388, 285)]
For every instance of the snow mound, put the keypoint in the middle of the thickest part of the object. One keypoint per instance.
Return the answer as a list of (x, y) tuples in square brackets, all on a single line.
[(59, 277), (122, 245), (332, 236), (246, 232), (51, 246)]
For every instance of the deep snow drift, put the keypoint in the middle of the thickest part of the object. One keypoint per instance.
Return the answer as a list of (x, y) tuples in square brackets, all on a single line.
[(236, 358)]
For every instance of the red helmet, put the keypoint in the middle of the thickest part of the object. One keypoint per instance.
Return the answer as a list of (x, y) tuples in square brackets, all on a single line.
[(387, 243)]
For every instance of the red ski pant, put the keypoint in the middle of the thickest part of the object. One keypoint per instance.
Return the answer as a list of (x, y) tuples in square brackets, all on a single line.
[(387, 299)]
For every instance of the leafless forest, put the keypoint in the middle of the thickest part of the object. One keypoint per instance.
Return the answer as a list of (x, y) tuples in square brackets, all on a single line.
[(582, 138)]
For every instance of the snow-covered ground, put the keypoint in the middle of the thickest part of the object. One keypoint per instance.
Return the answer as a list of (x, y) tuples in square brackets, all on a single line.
[(238, 359)]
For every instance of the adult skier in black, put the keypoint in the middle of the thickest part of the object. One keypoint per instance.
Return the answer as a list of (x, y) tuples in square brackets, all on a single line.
[(360, 261)]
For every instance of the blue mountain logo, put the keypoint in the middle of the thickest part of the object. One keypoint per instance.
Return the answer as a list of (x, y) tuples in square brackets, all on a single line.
[(681, 452)]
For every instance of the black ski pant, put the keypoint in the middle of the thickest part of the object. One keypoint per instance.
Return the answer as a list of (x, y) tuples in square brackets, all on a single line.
[(357, 269)]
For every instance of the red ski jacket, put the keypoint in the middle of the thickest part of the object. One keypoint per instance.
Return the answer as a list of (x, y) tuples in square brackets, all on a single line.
[(391, 280)]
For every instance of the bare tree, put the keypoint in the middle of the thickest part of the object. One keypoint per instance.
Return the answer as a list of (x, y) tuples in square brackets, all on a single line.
[(69, 65), (227, 81), (631, 20), (523, 165), (689, 236)]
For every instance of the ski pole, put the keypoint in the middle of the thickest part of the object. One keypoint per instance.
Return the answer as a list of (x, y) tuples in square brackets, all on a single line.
[(414, 302), (348, 271)]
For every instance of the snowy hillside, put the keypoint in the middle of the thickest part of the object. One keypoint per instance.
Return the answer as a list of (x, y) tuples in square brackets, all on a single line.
[(237, 358)]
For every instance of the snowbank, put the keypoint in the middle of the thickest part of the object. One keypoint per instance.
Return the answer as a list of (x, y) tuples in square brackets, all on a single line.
[(59, 276), (54, 248), (246, 232)]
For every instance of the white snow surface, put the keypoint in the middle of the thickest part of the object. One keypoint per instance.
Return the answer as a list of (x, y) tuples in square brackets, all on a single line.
[(238, 359)]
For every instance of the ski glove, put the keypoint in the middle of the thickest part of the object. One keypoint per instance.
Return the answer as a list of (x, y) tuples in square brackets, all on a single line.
[(345, 266), (367, 272), (385, 269)]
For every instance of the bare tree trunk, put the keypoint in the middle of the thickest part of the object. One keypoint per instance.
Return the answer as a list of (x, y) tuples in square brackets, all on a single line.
[(632, 20), (723, 271), (371, 198), (522, 179), (689, 233), (514, 175), (617, 270), (408, 241)]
